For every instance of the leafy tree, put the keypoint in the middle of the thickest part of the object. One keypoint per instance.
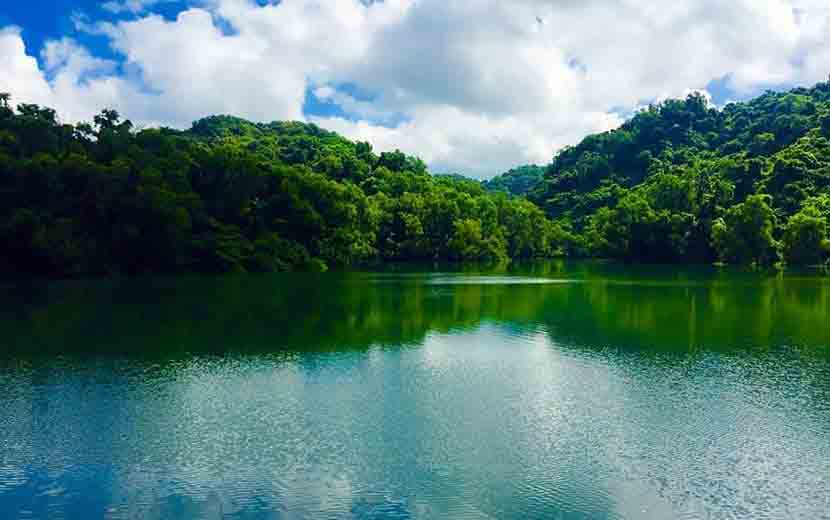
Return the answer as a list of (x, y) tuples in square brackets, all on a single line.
[(680, 181), (518, 181), (5, 108), (745, 234), (231, 195), (806, 241)]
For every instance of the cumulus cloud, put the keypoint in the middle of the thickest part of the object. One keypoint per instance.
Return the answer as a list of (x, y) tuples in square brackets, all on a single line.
[(451, 139), (19, 72), (473, 87), (71, 80), (130, 6)]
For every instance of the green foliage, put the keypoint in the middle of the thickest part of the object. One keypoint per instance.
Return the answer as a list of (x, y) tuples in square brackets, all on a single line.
[(680, 180), (469, 243), (806, 240), (745, 234), (232, 195), (518, 181)]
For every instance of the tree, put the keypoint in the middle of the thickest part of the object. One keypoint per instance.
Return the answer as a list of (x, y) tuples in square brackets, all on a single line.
[(107, 119), (518, 181), (805, 238), (745, 234), (466, 242), (5, 108), (678, 182)]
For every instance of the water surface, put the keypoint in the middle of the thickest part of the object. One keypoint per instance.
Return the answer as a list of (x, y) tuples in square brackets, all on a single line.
[(552, 390)]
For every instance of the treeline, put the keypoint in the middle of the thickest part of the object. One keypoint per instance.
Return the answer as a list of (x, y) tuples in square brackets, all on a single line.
[(518, 181), (231, 195), (683, 182)]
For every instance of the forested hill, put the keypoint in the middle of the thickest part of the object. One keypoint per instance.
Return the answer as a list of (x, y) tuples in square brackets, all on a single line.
[(231, 195), (684, 182), (518, 181), (679, 182)]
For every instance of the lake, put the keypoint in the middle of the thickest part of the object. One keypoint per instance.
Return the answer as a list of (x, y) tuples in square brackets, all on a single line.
[(548, 390)]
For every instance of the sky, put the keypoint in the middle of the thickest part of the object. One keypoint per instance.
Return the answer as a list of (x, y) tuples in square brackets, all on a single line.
[(473, 87)]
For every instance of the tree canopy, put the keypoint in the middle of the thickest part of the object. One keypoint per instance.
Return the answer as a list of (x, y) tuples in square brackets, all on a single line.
[(232, 195), (683, 181), (518, 181), (679, 182)]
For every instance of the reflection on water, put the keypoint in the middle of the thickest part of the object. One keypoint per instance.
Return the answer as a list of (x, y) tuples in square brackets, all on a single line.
[(547, 391)]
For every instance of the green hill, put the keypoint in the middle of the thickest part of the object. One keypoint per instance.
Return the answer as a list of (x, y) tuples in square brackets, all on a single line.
[(518, 181), (682, 181), (679, 182), (232, 195)]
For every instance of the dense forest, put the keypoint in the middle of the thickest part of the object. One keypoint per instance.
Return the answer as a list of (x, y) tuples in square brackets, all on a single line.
[(679, 182), (518, 181), (231, 195), (685, 182)]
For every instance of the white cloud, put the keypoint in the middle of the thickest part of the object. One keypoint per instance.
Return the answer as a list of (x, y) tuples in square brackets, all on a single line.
[(79, 84), (19, 72), (454, 140), (483, 85), (130, 6)]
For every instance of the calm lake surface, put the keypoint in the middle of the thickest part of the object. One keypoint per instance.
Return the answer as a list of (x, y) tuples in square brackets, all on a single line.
[(553, 390)]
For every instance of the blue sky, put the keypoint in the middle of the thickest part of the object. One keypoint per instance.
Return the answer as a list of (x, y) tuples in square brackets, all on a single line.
[(472, 87), (42, 20)]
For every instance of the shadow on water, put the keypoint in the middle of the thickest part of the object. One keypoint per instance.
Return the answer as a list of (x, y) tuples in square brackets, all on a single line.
[(580, 305)]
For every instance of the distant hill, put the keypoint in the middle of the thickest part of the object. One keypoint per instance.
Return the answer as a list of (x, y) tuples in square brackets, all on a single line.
[(453, 177), (518, 181)]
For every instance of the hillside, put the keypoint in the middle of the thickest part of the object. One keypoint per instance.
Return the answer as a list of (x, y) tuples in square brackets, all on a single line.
[(682, 181), (517, 181), (231, 195)]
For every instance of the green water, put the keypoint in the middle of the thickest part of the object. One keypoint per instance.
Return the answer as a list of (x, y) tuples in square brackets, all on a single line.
[(549, 390)]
